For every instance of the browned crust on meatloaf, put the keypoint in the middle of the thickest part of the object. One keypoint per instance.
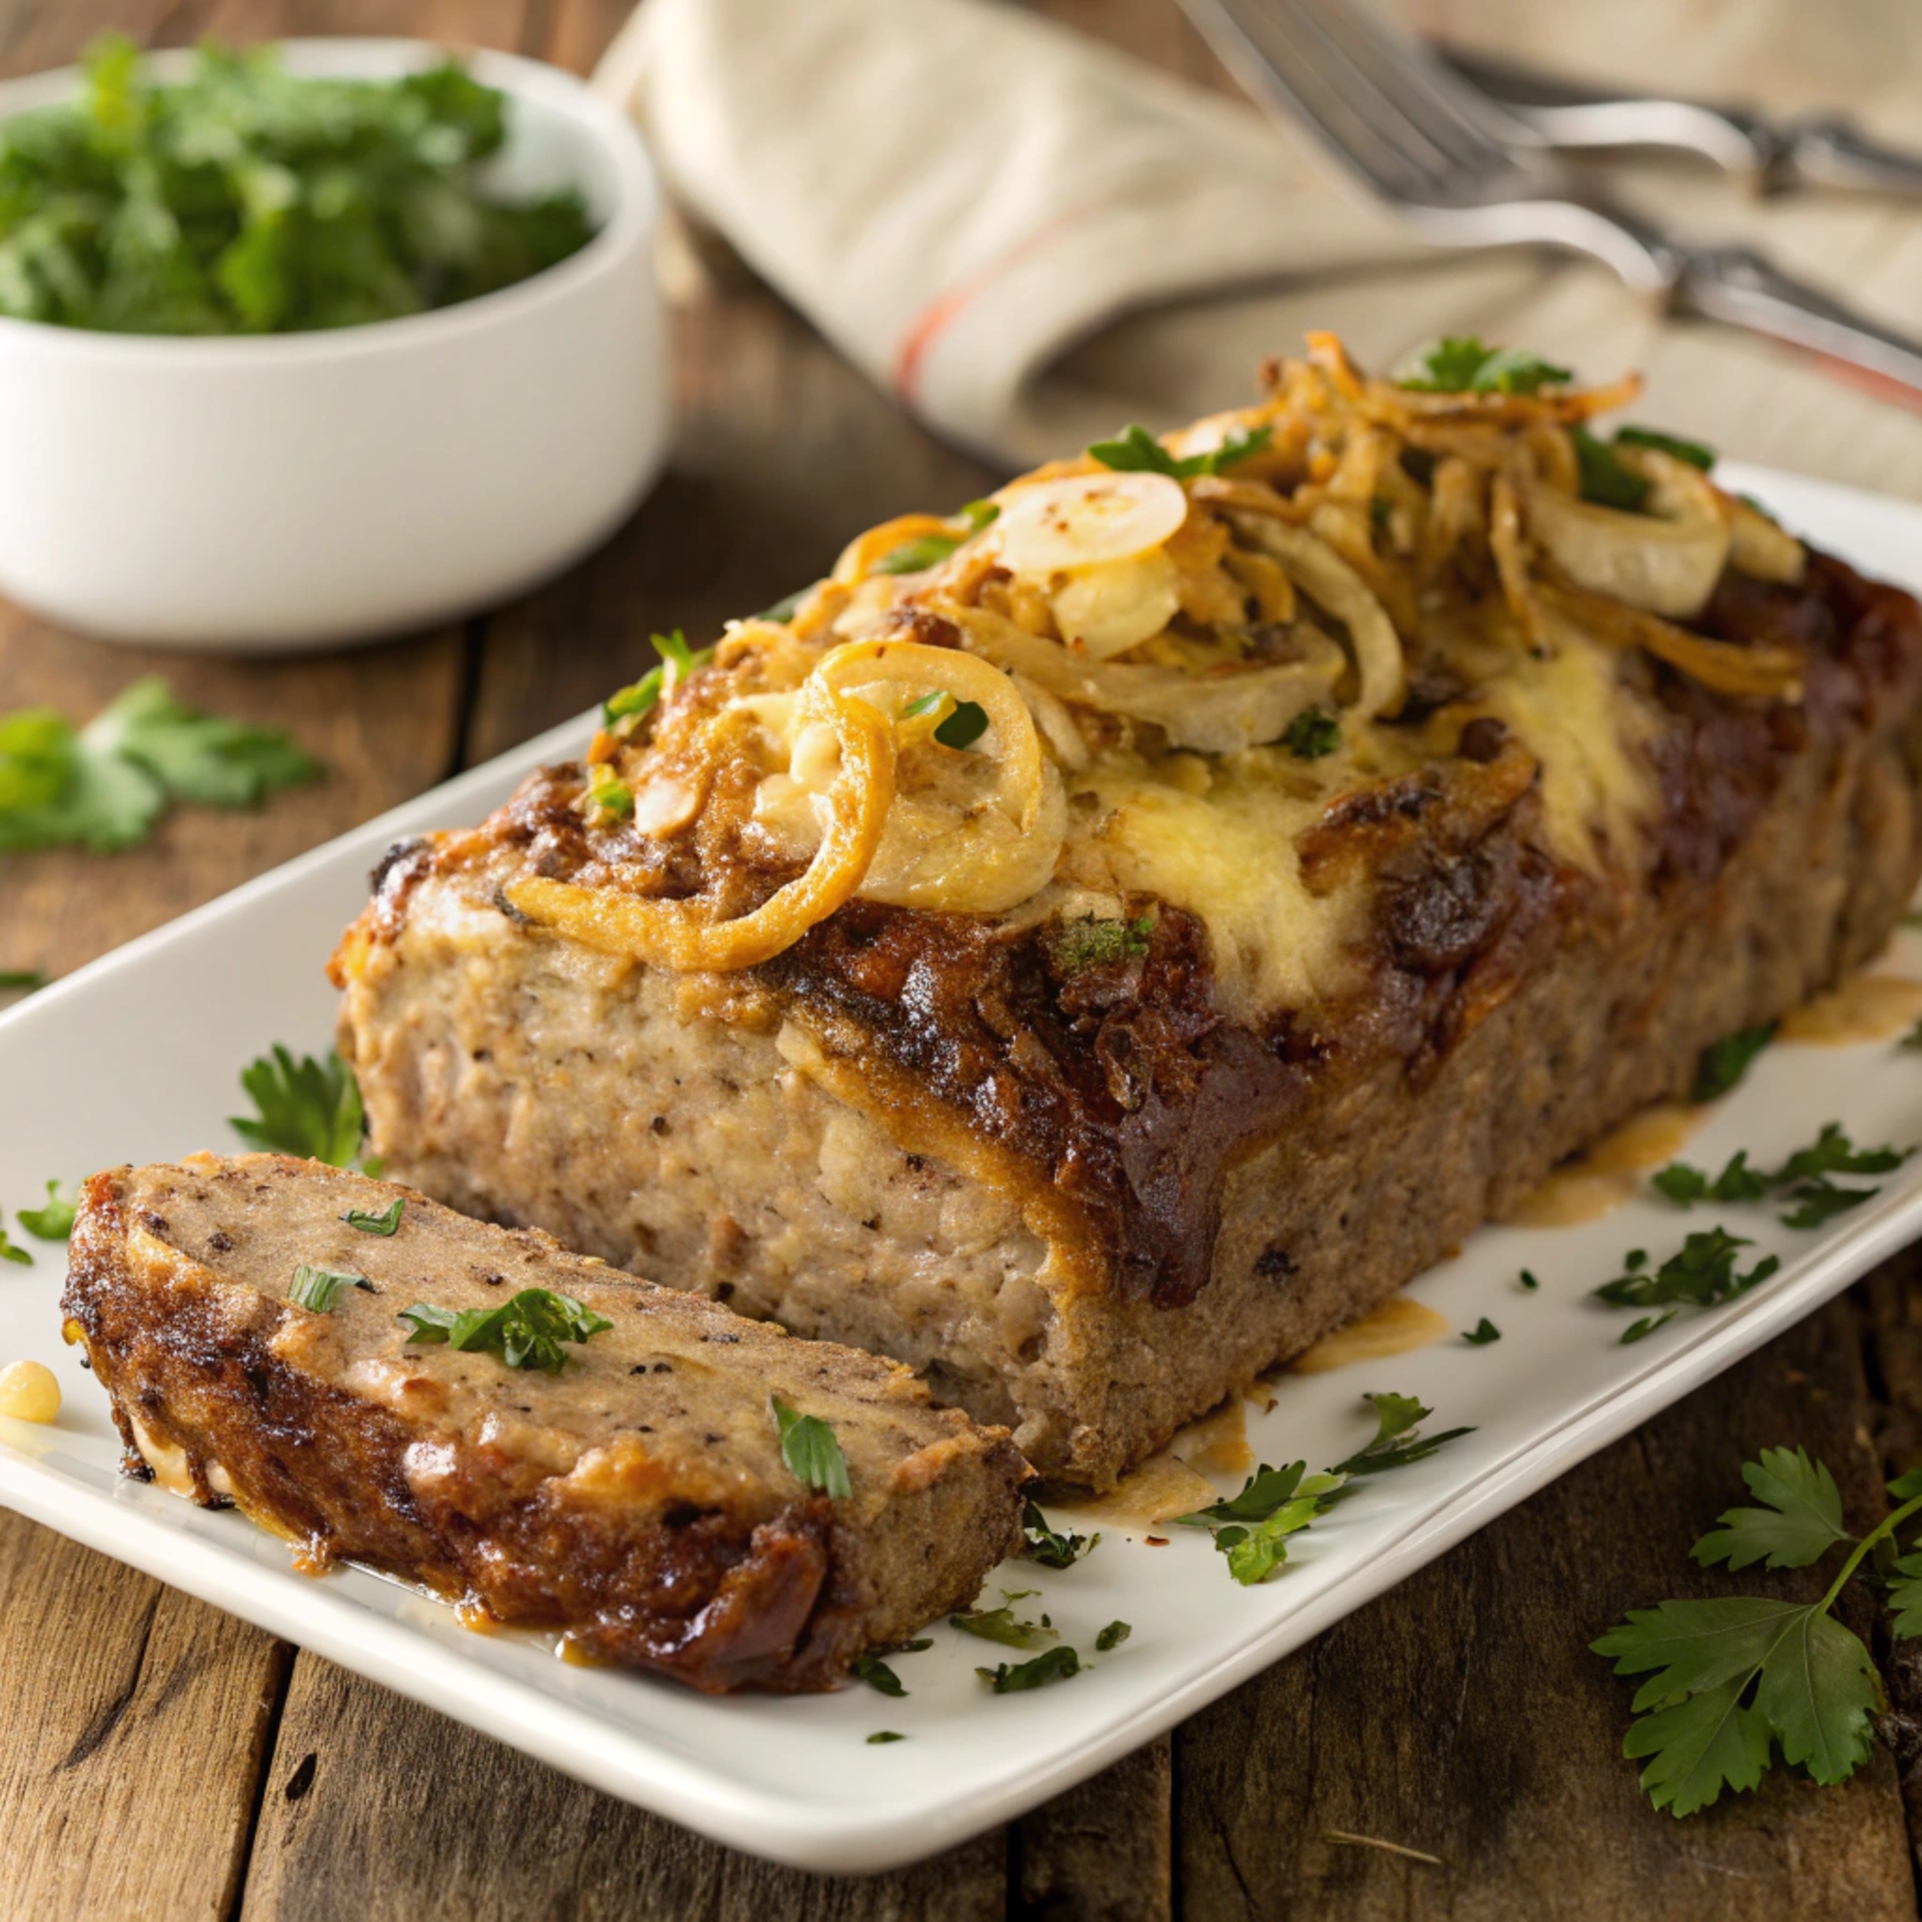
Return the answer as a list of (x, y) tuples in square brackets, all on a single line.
[(700, 1576)]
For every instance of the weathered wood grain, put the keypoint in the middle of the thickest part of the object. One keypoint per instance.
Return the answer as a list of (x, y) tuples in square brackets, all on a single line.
[(133, 1725), (1464, 1716), (386, 1812)]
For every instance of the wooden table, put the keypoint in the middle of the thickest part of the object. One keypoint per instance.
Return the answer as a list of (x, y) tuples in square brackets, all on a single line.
[(159, 1759)]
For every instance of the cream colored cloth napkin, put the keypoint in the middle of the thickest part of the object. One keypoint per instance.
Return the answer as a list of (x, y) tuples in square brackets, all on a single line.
[(1029, 236)]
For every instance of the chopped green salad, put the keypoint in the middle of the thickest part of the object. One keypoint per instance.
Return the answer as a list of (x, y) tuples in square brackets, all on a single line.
[(247, 200)]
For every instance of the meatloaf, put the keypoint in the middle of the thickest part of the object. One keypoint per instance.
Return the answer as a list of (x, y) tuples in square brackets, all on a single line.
[(629, 1488), (1092, 945)]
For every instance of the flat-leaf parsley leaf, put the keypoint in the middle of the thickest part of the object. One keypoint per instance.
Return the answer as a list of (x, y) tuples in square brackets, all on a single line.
[(525, 1332), (305, 1107), (811, 1452)]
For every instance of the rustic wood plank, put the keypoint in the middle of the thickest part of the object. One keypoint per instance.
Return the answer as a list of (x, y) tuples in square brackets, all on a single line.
[(386, 1812), (1464, 1715), (132, 1724), (1103, 1852)]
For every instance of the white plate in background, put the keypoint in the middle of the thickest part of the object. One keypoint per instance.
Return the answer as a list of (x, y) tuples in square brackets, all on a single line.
[(134, 1058)]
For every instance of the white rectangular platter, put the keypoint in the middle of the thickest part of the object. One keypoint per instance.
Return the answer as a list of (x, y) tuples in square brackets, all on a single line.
[(135, 1058)]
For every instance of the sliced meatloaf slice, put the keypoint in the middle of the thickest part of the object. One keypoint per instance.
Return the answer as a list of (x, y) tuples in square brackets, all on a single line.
[(636, 1497)]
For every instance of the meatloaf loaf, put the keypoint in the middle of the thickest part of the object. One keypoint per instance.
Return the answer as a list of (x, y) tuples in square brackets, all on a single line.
[(629, 1487), (1092, 945)]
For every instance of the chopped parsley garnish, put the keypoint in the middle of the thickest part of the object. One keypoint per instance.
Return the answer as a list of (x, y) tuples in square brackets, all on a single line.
[(1004, 1625), (1112, 1637), (525, 1332), (812, 1454), (1735, 1680), (247, 200), (1461, 364), (305, 1107), (1702, 1273), (885, 1735), (1311, 734), (1691, 451), (1529, 1280), (624, 709), (1804, 1179), (1724, 1064), (964, 726), (319, 1288), (384, 1223), (1483, 1332), (1091, 943), (1252, 1528), (21, 980), (10, 1250), (54, 1220), (1057, 1665), (1605, 478), (104, 786), (1051, 1547), (1136, 451), (606, 798), (870, 1668), (911, 557)]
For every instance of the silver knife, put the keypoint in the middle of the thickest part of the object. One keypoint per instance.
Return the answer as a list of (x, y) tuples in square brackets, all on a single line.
[(1825, 150)]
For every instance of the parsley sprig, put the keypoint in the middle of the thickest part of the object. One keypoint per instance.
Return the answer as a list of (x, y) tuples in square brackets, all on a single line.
[(911, 557), (811, 1451), (525, 1332), (1724, 1063), (1136, 451), (1252, 1528), (53, 1221), (307, 1107), (1051, 1547), (1804, 1179), (1463, 364), (1734, 1679), (1702, 1273), (10, 1250), (105, 786), (1003, 1625)]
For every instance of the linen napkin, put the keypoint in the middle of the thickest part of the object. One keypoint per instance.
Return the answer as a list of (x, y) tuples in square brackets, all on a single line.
[(1029, 236)]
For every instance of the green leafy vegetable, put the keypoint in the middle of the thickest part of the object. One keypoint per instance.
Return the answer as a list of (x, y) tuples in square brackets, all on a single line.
[(1252, 1528), (1529, 1281), (1311, 734), (624, 709), (1461, 364), (811, 1452), (104, 786), (1732, 1678), (1135, 450), (1112, 1637), (1701, 1273), (1483, 1332), (1691, 451), (964, 726), (53, 1221), (885, 1735), (319, 1288), (870, 1668), (243, 199), (1090, 943), (607, 797), (1606, 479), (525, 1332), (1052, 1548), (384, 1223), (304, 1107), (1004, 1625), (1805, 1177), (1057, 1665), (1727, 1061), (1799, 1522), (10, 1250), (21, 981), (911, 557)]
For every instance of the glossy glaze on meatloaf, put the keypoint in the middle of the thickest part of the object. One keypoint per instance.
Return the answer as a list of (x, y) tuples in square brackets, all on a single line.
[(1287, 1018), (637, 1498)]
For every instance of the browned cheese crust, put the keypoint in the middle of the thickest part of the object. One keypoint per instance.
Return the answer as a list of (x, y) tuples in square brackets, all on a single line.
[(637, 1500)]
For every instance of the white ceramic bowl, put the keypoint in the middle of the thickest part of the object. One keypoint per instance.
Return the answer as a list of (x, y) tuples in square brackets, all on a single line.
[(285, 491)]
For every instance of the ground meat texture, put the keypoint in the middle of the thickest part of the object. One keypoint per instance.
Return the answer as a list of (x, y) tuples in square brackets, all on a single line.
[(1082, 1201), (637, 1499)]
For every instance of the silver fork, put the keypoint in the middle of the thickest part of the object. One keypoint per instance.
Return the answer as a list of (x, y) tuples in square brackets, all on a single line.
[(1467, 173)]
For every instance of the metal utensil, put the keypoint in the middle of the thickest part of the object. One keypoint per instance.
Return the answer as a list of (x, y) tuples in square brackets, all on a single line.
[(1467, 172), (1819, 151)]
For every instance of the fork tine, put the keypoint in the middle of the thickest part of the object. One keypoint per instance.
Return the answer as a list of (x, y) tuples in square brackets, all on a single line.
[(1403, 71), (1270, 62)]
